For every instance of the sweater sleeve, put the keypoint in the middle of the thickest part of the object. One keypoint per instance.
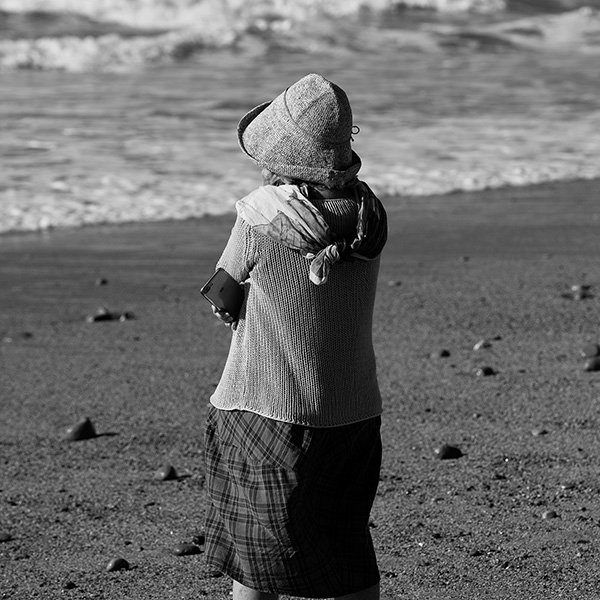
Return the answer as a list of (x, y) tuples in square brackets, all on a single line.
[(238, 257)]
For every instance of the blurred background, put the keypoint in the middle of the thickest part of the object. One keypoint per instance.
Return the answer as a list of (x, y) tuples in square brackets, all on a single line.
[(126, 110)]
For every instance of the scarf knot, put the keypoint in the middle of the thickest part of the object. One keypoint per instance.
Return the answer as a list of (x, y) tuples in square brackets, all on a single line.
[(287, 216)]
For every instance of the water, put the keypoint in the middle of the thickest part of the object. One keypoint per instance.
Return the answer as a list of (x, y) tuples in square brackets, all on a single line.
[(443, 102)]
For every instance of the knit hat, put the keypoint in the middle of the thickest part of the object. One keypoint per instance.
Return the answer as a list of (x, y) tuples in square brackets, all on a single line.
[(305, 133)]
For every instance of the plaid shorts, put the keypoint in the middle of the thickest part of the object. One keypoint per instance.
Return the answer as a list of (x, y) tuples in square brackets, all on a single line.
[(289, 505)]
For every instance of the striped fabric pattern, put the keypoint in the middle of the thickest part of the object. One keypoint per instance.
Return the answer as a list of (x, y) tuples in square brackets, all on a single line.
[(289, 505)]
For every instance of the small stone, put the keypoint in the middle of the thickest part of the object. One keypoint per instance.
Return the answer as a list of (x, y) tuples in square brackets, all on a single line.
[(101, 281), (580, 292), (166, 473), (567, 486), (5, 536), (464, 259), (394, 283), (485, 372), (448, 452), (549, 514), (83, 430), (215, 573), (590, 350), (126, 316), (482, 344), (102, 314), (477, 553), (581, 287), (186, 549), (117, 564), (592, 364), (443, 353), (539, 431), (69, 585)]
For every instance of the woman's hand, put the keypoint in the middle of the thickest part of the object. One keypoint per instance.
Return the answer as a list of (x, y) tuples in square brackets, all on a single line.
[(224, 317)]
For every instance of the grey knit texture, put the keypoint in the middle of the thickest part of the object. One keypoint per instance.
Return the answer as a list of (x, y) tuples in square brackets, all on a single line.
[(301, 353), (305, 133)]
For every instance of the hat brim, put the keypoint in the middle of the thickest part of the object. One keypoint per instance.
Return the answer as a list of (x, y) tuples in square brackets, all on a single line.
[(245, 121)]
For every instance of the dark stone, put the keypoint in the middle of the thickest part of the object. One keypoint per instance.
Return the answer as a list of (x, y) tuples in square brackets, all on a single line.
[(482, 344), (83, 430), (215, 573), (102, 314), (592, 364), (485, 372), (448, 452), (590, 350), (186, 549), (117, 564), (5, 536), (166, 473)]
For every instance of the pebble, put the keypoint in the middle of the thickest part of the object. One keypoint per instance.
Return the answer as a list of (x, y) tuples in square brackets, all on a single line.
[(485, 372), (590, 350), (394, 283), (549, 514), (166, 473), (539, 431), (5, 536), (447, 452), (83, 430), (103, 314), (186, 549), (568, 486), (215, 573), (592, 364), (117, 564), (482, 344), (443, 353), (69, 585), (580, 292), (101, 281)]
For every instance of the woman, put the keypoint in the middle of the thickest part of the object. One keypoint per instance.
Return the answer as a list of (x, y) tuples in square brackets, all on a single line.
[(293, 447)]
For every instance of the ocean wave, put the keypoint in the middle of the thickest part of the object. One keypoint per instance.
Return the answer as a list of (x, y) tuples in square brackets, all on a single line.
[(116, 35)]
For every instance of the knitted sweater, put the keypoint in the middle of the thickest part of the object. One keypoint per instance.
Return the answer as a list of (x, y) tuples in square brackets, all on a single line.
[(301, 353)]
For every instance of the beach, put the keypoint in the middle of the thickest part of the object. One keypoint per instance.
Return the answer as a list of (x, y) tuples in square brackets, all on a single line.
[(468, 280)]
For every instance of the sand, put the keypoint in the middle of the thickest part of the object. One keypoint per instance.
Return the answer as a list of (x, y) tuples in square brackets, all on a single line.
[(494, 265)]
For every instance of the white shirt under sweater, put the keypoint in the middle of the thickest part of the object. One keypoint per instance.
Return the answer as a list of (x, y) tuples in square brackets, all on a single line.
[(301, 353)]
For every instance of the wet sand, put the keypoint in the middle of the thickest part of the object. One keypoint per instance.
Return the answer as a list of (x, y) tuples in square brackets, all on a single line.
[(494, 265)]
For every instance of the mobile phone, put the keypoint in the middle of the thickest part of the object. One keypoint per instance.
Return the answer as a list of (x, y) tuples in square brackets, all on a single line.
[(224, 292)]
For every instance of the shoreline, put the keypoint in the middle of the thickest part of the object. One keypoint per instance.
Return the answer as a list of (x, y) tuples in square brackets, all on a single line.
[(392, 203)]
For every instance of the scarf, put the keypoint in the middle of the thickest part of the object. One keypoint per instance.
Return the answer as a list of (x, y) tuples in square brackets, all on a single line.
[(285, 214)]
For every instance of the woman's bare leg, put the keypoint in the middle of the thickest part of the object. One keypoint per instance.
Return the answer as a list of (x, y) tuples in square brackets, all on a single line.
[(241, 592), (371, 593)]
